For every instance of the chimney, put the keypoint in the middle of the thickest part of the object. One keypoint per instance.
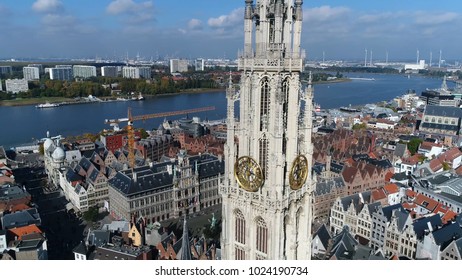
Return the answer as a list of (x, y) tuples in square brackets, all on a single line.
[(135, 176), (429, 224)]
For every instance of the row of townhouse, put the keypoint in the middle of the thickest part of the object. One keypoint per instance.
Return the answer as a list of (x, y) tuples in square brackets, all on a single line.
[(417, 229), (85, 184)]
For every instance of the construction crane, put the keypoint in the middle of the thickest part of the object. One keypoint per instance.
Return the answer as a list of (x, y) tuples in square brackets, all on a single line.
[(130, 130)]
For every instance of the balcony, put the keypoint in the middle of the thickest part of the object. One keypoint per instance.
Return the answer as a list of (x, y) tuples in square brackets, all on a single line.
[(270, 65)]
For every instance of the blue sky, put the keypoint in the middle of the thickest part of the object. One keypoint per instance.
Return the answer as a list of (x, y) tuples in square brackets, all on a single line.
[(213, 28)]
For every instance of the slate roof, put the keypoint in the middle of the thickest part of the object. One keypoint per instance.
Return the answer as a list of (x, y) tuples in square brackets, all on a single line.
[(157, 177), (401, 216), (12, 192), (356, 200), (323, 234), (99, 237), (440, 126), (167, 239), (22, 218), (445, 235), (388, 210), (343, 245), (121, 226), (327, 186), (72, 176), (146, 180), (421, 225), (458, 244), (80, 249), (443, 111), (373, 207), (208, 165), (400, 150), (400, 176)]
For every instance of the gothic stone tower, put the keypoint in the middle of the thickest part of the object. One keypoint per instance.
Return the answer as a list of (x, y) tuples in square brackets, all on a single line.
[(267, 186)]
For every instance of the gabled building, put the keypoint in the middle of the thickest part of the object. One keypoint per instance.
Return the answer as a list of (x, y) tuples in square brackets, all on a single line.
[(342, 246), (320, 242), (380, 220), (325, 194), (437, 240), (453, 251), (345, 211)]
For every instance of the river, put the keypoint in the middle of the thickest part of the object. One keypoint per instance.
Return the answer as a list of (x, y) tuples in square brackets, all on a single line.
[(25, 124)]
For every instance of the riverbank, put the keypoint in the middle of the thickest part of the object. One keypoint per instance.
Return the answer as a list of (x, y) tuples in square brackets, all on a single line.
[(41, 100), (34, 101), (339, 80)]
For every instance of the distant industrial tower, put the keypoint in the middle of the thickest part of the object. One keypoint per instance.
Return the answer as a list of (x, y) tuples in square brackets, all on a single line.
[(267, 209)]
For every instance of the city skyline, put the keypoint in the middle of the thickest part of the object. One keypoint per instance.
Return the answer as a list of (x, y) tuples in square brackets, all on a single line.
[(189, 29)]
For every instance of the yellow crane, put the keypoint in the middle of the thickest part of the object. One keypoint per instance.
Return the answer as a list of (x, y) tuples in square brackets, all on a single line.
[(131, 133)]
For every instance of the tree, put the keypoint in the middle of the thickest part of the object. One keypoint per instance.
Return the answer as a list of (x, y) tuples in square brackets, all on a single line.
[(359, 126), (143, 133), (41, 149), (413, 145), (91, 215), (446, 166)]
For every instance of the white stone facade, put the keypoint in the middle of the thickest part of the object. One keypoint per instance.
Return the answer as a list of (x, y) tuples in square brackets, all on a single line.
[(273, 222)]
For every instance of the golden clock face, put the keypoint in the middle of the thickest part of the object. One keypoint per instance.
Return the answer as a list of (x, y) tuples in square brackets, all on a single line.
[(248, 174), (298, 172)]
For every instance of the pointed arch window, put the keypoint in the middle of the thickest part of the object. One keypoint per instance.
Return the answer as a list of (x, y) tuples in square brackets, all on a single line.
[(263, 155), (261, 239), (285, 108), (239, 235), (264, 103)]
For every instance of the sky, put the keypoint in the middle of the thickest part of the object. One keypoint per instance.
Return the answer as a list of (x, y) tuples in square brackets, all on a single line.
[(214, 28)]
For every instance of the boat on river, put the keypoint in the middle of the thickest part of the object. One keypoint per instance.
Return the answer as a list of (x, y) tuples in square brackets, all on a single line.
[(47, 105)]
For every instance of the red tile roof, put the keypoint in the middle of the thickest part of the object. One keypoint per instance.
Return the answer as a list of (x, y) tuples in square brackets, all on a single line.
[(435, 165), (391, 188), (408, 205), (426, 202), (448, 216), (412, 160), (378, 194), (428, 145), (21, 231), (388, 176), (19, 207), (450, 155), (410, 193)]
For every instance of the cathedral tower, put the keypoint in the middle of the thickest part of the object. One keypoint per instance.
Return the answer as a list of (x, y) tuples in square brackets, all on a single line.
[(267, 186)]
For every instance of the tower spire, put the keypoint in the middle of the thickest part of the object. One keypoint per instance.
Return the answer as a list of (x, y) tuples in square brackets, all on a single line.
[(185, 246)]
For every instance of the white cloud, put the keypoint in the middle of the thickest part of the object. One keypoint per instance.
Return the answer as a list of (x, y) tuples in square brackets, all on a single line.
[(235, 17), (425, 18), (195, 24), (325, 13), (132, 12), (47, 6), (117, 7)]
